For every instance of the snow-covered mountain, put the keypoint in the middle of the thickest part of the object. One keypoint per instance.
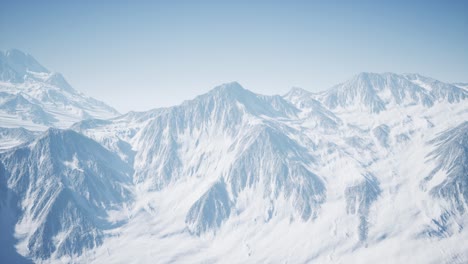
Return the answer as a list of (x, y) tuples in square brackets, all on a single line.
[(35, 98), (377, 92), (372, 170), (60, 190)]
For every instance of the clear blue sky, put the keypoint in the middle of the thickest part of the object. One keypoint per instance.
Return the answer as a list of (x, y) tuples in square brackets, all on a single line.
[(137, 55)]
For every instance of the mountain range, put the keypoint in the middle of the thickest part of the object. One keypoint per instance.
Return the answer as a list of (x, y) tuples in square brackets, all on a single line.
[(371, 170)]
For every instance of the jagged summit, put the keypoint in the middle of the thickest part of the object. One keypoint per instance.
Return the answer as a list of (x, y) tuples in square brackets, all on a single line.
[(21, 62), (296, 92), (230, 91), (232, 97), (375, 92), (229, 87), (38, 98), (17, 67)]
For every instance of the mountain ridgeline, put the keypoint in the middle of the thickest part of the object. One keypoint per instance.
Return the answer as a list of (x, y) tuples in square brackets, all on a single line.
[(350, 174)]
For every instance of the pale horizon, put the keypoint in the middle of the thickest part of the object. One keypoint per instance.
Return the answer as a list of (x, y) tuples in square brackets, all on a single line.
[(144, 55)]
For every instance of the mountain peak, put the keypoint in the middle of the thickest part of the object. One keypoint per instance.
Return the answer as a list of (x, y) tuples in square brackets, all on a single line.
[(56, 134), (416, 77), (297, 91), (46, 97), (373, 76), (231, 91), (374, 91), (59, 81), (21, 62), (232, 95), (363, 75), (230, 87)]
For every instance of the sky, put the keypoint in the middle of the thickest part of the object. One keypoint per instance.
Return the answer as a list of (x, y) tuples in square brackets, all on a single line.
[(139, 55)]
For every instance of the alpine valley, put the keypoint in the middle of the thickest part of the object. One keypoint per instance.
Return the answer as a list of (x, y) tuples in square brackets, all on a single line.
[(372, 170)]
